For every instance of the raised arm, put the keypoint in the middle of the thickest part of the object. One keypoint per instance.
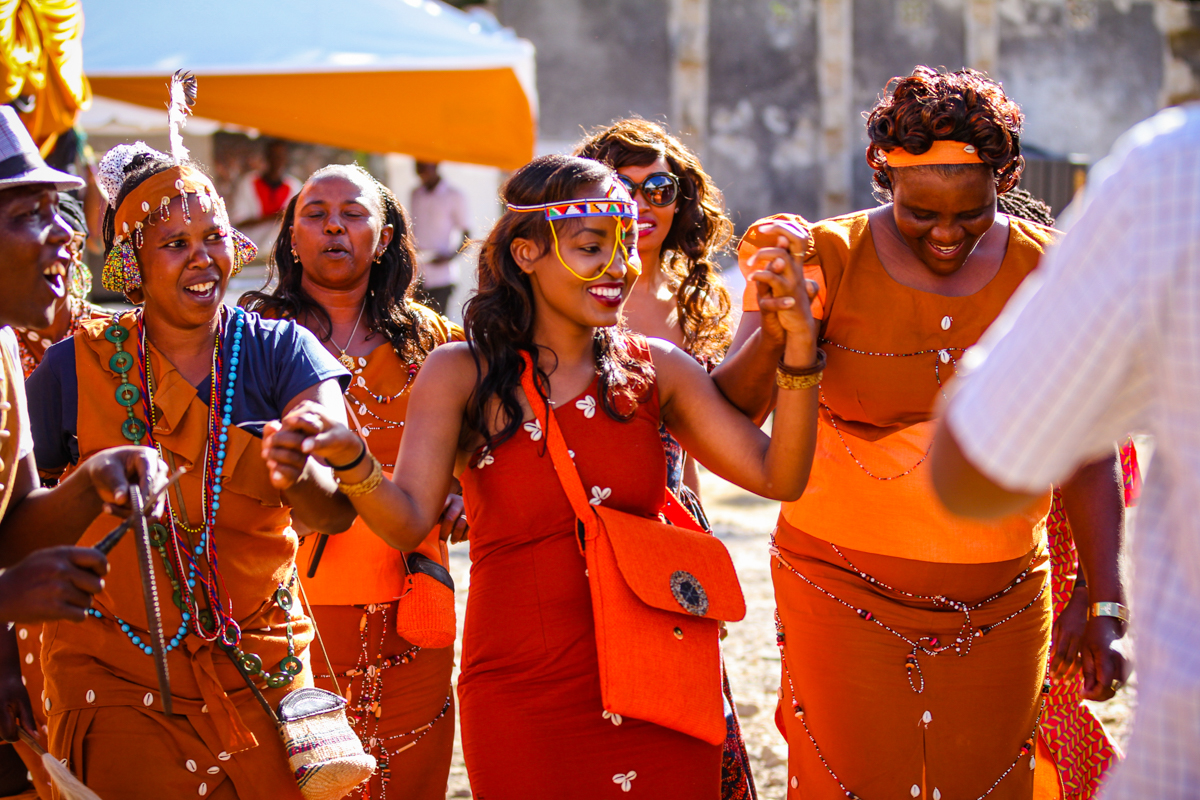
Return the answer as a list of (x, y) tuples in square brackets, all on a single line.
[(403, 510), (723, 438)]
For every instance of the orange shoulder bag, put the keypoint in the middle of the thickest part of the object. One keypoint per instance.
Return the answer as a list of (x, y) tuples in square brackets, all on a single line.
[(658, 591)]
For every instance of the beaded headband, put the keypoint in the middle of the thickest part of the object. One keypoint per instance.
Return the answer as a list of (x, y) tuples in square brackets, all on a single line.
[(943, 151), (152, 197)]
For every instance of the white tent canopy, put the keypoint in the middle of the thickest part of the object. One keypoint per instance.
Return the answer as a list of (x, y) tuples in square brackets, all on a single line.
[(409, 76)]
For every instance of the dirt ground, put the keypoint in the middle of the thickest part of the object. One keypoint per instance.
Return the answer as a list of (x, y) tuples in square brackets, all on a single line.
[(744, 521)]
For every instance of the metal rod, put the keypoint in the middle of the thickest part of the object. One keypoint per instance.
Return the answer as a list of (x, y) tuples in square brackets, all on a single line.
[(110, 539), (150, 594)]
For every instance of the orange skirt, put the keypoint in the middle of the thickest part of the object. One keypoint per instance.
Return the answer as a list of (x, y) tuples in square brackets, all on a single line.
[(391, 704), (951, 726)]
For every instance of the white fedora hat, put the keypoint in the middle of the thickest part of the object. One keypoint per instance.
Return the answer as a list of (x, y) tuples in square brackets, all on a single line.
[(20, 162)]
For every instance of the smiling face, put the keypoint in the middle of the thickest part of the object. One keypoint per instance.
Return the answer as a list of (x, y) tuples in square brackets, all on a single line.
[(942, 216), (34, 255), (654, 222), (339, 229), (587, 246), (185, 265)]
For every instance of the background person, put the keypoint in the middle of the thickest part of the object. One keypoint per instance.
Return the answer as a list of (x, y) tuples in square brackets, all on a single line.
[(932, 632), (260, 197), (346, 265), (441, 227), (1106, 343)]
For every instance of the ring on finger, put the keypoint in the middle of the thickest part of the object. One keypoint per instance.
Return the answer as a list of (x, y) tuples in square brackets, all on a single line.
[(1116, 684)]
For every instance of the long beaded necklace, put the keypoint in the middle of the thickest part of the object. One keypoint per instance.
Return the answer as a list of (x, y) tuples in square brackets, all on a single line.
[(923, 645), (182, 559), (366, 711), (945, 355), (1026, 748)]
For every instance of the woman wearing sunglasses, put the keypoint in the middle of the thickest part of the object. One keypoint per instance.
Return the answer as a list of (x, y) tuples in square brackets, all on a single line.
[(553, 275)]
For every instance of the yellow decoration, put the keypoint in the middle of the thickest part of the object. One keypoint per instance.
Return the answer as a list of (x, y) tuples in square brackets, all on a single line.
[(41, 54)]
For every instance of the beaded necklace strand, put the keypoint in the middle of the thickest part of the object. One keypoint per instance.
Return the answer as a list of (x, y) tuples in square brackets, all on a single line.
[(185, 556), (359, 406), (945, 355)]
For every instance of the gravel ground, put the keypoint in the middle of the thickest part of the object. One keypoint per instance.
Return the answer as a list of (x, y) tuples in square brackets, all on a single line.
[(743, 521)]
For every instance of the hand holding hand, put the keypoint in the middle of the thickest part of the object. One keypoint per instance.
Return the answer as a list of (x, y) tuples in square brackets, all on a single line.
[(308, 429), (56, 583), (784, 295)]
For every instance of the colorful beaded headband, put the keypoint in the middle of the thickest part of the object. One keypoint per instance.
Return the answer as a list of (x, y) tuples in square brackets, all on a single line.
[(618, 204), (153, 197), (943, 151)]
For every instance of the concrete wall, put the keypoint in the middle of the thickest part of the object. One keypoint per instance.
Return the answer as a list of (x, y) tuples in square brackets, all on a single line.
[(1083, 70)]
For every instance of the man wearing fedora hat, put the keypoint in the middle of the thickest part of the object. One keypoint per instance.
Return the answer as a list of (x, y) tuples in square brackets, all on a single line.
[(44, 583)]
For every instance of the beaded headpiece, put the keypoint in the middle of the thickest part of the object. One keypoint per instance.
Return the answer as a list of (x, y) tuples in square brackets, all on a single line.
[(617, 204), (154, 195)]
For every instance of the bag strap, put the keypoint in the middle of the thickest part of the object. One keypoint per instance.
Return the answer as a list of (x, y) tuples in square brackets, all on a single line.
[(568, 474)]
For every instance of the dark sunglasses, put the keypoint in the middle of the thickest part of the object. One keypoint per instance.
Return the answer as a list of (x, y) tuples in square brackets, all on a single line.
[(659, 189)]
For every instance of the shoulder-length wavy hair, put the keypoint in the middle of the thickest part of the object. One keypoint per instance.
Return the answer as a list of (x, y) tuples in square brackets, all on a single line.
[(962, 106), (499, 317), (700, 230), (389, 287)]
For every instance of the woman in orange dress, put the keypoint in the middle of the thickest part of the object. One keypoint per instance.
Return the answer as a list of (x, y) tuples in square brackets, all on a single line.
[(195, 380), (914, 644), (344, 262), (553, 274)]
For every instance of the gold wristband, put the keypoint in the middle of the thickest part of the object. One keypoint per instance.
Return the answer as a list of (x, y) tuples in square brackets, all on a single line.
[(1109, 610), (368, 484), (785, 381)]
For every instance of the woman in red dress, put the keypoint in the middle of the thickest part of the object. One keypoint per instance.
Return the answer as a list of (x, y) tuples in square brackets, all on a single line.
[(533, 724)]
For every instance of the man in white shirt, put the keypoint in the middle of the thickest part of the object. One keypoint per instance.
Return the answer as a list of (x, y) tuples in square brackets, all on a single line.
[(1107, 344), (440, 227), (260, 198)]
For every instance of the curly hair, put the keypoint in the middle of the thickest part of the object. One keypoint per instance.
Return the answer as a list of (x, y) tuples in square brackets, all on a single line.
[(699, 231), (499, 317), (962, 106), (389, 286)]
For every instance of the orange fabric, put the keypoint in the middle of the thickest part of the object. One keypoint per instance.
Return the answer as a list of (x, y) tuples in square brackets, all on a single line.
[(943, 151), (97, 682), (849, 675), (1047, 784), (41, 54), (159, 187), (884, 406), (425, 615), (657, 661), (410, 694), (530, 666), (357, 567)]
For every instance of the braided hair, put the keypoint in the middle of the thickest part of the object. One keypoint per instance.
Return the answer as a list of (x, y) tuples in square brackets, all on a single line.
[(389, 302), (1022, 204)]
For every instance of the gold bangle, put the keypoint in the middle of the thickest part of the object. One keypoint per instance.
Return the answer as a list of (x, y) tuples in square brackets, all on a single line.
[(1109, 610), (367, 485), (786, 381)]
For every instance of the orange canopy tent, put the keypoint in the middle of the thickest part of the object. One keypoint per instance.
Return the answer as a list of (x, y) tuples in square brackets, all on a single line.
[(41, 59), (403, 76)]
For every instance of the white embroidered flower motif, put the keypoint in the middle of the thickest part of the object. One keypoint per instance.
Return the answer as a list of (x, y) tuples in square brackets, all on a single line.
[(623, 779), (616, 718), (587, 405), (485, 458), (534, 429), (599, 495)]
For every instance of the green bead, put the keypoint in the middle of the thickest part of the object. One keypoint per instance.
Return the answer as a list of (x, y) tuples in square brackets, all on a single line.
[(284, 598), (122, 361), (206, 620), (128, 394), (115, 333), (177, 599), (133, 429), (250, 663), (278, 680), (292, 665), (159, 534)]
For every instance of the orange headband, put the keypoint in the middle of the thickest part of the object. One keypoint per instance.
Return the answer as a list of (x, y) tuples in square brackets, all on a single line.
[(943, 151), (154, 195)]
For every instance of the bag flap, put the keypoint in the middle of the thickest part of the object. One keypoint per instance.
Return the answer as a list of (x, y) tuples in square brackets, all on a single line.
[(425, 565), (308, 702), (673, 568)]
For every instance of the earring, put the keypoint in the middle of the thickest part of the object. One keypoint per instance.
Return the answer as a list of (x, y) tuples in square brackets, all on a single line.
[(121, 273), (244, 250), (295, 257)]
